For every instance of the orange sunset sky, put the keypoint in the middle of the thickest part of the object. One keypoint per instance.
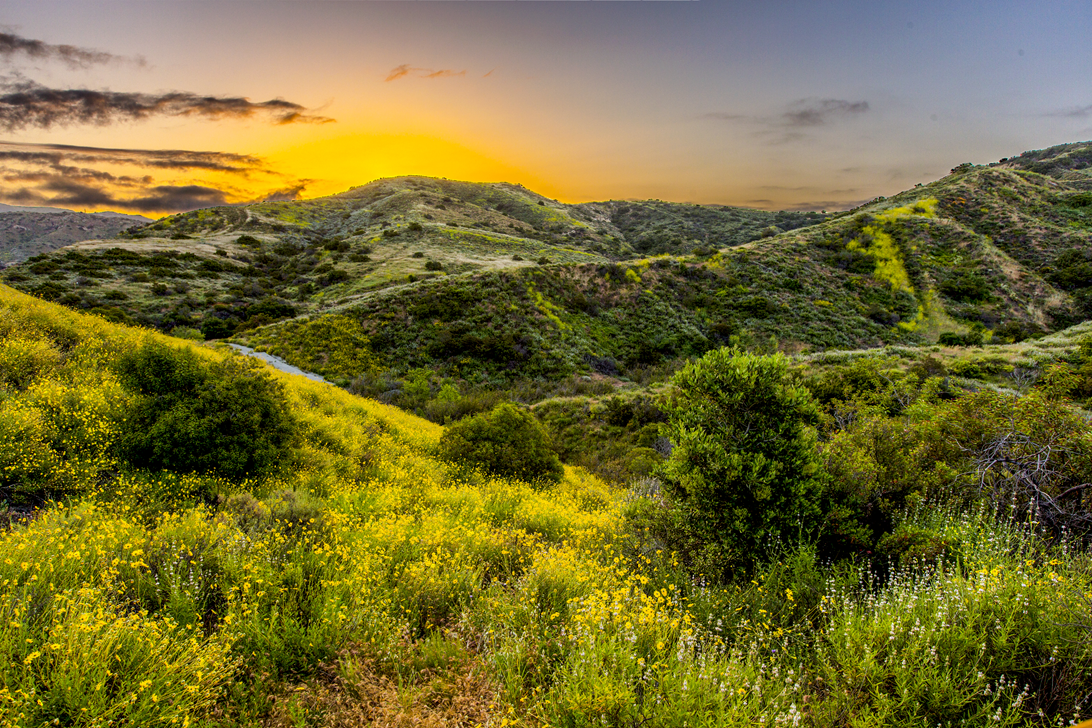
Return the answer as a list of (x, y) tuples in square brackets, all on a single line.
[(157, 106)]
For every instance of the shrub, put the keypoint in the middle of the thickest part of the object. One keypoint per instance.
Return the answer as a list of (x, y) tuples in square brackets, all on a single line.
[(507, 441), (744, 469), (228, 417)]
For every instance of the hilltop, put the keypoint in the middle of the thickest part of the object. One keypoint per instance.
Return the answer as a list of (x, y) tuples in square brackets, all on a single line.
[(992, 253), (493, 283), (219, 269)]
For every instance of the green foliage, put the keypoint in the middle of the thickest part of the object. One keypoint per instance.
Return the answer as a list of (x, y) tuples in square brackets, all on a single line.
[(371, 583), (507, 441), (228, 418), (333, 345), (877, 466), (744, 468)]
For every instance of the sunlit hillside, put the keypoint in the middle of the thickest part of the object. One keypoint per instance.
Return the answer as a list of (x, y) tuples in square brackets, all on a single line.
[(330, 570), (231, 268)]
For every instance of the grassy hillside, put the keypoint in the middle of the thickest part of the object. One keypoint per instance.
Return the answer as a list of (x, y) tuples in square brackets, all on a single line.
[(492, 285), (985, 254), (220, 269), (358, 579)]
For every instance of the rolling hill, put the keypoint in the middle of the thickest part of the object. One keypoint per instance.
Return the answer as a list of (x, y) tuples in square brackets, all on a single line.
[(493, 283), (995, 253), (218, 269)]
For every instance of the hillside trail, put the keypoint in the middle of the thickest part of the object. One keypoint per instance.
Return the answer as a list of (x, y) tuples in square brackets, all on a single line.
[(276, 362)]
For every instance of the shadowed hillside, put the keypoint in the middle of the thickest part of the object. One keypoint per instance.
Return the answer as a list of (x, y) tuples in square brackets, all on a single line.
[(26, 233)]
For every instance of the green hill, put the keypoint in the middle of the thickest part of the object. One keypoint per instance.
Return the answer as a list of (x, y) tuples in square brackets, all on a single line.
[(494, 283), (993, 253), (219, 269)]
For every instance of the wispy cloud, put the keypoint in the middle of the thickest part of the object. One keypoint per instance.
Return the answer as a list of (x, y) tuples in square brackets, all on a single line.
[(1073, 112), (791, 124), (58, 175), (725, 116), (817, 112), (13, 46), (814, 205), (57, 156), (159, 198), (406, 70), (26, 104)]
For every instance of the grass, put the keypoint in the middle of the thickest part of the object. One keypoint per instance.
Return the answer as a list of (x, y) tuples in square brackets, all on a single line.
[(370, 581)]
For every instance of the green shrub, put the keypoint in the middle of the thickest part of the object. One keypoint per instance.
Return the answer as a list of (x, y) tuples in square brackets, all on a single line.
[(744, 468), (228, 418), (507, 441)]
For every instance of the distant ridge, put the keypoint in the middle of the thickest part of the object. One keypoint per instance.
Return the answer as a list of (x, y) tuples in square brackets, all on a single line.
[(4, 209), (29, 231)]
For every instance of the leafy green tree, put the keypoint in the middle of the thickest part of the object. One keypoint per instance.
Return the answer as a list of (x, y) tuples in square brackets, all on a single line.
[(744, 470), (507, 441), (229, 417)]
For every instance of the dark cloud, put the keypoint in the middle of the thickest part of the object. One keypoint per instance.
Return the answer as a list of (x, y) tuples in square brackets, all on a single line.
[(28, 104), (160, 198), (288, 193), (13, 46), (54, 155), (725, 116), (56, 175), (817, 112), (808, 188), (816, 205), (406, 70), (80, 174), (807, 205)]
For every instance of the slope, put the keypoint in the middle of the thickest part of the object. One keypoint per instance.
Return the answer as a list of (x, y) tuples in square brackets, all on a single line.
[(363, 581), (987, 253), (221, 269)]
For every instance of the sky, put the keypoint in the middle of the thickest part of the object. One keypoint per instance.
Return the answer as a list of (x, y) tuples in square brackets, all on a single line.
[(160, 106)]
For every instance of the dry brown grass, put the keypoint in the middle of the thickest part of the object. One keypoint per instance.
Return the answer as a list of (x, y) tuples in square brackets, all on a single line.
[(360, 690)]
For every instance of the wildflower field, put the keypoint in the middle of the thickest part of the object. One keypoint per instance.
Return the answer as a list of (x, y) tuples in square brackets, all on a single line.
[(360, 580)]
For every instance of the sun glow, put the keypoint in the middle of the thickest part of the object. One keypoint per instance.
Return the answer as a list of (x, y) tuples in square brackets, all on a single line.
[(333, 165)]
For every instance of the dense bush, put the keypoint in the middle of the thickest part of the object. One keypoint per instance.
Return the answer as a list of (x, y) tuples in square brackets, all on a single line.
[(228, 418), (744, 469), (507, 441)]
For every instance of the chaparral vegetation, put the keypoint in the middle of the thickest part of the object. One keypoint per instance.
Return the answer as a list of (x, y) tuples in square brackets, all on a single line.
[(857, 546), (793, 470)]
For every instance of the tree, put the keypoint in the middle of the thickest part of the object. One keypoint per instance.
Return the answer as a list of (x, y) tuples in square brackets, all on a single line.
[(507, 441), (744, 470)]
